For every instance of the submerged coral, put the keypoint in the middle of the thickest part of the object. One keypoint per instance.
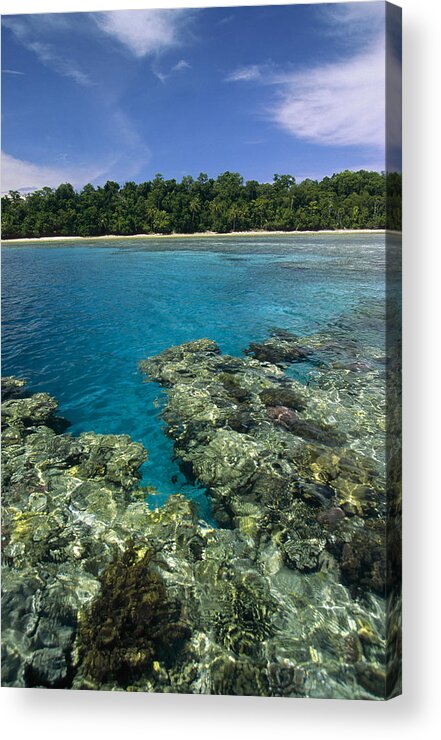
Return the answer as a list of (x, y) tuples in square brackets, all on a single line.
[(267, 467), (62, 498), (285, 598), (297, 470), (132, 623)]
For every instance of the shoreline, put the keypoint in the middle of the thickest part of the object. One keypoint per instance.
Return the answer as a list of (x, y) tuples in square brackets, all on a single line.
[(199, 235)]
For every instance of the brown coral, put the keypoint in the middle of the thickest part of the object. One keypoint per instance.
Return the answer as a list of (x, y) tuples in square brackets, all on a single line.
[(131, 624)]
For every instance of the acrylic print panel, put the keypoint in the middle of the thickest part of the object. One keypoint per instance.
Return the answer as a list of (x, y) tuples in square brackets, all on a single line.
[(201, 402)]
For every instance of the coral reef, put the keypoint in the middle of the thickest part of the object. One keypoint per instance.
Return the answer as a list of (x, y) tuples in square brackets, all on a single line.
[(286, 597), (273, 470)]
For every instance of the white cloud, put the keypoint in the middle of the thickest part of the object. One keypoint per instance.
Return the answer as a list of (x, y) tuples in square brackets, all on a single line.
[(341, 104), (143, 32), (338, 104), (11, 72), (245, 74), (18, 174)]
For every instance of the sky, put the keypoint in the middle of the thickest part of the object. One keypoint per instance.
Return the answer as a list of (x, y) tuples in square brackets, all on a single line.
[(123, 95)]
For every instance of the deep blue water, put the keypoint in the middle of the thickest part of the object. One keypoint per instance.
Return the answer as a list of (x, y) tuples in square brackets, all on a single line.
[(77, 319)]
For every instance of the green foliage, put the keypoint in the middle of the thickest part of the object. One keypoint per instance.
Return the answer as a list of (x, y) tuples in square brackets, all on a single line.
[(348, 200), (131, 624)]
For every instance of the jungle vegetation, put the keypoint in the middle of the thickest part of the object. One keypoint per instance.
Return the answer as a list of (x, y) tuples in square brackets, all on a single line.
[(347, 200)]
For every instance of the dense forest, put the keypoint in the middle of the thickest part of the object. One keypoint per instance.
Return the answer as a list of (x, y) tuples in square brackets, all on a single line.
[(348, 200)]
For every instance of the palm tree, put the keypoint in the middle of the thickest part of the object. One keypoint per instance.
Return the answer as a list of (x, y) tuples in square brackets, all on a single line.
[(194, 208), (234, 213)]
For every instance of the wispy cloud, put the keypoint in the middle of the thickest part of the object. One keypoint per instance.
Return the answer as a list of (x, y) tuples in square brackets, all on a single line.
[(130, 153), (245, 74), (27, 31), (180, 66), (127, 155), (351, 23), (226, 19), (19, 174), (143, 32), (11, 72)]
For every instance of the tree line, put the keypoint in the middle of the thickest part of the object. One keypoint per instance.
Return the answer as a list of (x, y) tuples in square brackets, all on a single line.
[(347, 200)]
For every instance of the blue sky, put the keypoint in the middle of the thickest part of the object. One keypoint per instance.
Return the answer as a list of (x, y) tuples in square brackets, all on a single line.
[(124, 94)]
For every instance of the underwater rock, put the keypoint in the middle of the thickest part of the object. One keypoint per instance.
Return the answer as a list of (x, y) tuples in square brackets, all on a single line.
[(28, 412), (286, 679), (281, 348), (178, 362), (302, 537), (229, 457), (361, 552), (111, 457), (276, 352), (48, 667), (11, 387), (282, 395), (237, 677), (318, 492), (283, 415), (353, 477), (373, 679), (308, 430), (331, 517), (234, 387)]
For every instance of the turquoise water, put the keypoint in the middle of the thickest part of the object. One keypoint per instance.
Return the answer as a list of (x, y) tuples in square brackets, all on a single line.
[(78, 319)]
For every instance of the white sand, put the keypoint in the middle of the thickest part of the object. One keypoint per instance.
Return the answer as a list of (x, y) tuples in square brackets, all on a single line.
[(204, 234)]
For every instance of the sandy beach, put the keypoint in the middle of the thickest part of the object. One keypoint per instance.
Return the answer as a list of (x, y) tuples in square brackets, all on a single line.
[(205, 234)]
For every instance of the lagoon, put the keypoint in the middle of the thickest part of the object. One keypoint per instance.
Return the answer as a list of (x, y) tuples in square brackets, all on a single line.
[(78, 318)]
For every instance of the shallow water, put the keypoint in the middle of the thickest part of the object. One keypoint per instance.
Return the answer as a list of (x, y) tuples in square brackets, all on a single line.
[(78, 319)]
